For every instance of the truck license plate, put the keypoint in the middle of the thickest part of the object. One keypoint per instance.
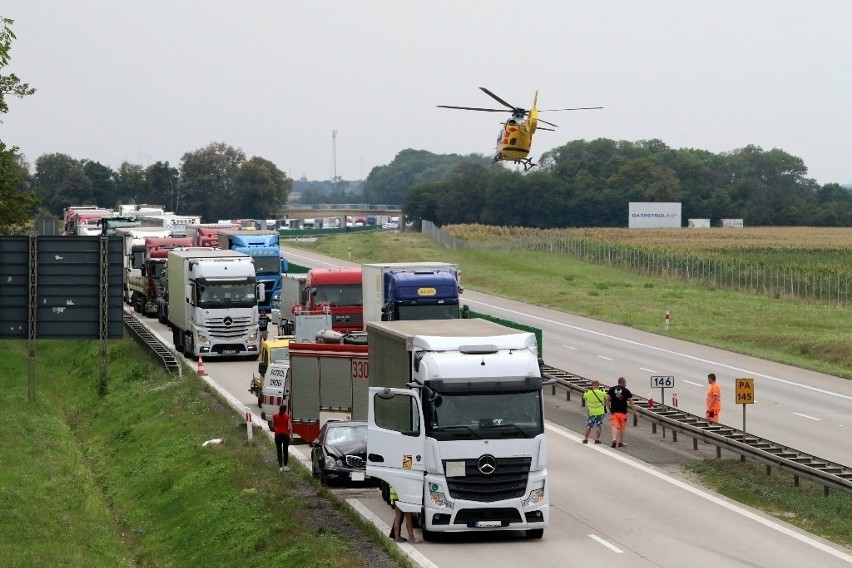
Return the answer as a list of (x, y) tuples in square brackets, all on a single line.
[(488, 524), (229, 351), (358, 476)]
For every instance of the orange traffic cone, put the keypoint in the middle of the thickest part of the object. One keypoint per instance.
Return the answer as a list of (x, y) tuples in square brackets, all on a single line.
[(201, 371)]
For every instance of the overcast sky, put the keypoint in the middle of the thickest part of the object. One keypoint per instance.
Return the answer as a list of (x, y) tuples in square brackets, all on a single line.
[(147, 81)]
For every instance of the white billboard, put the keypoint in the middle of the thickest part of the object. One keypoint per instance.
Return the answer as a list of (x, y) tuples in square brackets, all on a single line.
[(732, 223), (647, 215), (699, 223)]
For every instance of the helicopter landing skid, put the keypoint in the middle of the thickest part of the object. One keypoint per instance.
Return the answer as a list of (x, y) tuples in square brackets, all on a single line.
[(526, 162)]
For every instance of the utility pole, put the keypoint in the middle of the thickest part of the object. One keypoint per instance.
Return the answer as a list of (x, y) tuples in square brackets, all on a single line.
[(334, 156)]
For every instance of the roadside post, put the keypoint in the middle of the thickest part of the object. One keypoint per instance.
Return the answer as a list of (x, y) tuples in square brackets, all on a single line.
[(249, 429), (662, 383)]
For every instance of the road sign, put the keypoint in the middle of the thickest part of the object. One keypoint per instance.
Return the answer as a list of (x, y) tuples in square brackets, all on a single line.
[(662, 382), (745, 391)]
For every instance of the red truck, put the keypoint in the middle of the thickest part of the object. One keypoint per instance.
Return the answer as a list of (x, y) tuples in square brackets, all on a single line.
[(341, 290), (146, 288), (207, 234)]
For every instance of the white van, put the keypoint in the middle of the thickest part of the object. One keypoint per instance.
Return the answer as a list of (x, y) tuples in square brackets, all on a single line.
[(276, 390)]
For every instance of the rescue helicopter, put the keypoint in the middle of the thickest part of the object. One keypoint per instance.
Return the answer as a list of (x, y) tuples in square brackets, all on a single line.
[(515, 138)]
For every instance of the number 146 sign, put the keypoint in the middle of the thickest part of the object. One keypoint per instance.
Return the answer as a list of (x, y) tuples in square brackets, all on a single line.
[(662, 382)]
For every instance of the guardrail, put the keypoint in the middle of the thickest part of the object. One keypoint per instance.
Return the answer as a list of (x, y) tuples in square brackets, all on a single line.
[(142, 334), (748, 446)]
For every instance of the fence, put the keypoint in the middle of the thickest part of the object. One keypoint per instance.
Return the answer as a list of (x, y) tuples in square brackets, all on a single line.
[(797, 283)]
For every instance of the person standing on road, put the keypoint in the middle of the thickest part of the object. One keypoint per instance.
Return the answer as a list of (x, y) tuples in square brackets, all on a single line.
[(282, 422), (714, 399), (618, 398), (396, 530), (595, 399), (263, 324)]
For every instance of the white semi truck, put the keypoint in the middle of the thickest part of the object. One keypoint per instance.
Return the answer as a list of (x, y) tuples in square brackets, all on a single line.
[(456, 424), (213, 299)]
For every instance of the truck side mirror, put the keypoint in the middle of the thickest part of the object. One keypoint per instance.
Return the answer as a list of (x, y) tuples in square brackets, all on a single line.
[(261, 292), (262, 366)]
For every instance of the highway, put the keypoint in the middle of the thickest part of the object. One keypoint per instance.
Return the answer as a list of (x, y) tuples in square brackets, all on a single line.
[(608, 507)]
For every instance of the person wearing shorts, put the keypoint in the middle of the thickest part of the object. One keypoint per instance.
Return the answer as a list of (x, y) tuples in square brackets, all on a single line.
[(595, 399), (618, 398)]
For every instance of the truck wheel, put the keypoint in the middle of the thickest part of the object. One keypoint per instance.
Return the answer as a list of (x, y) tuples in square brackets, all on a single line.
[(161, 317), (428, 536), (137, 301), (532, 533), (188, 346)]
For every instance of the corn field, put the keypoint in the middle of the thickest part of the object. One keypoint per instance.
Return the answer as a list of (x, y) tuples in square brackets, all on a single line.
[(817, 283)]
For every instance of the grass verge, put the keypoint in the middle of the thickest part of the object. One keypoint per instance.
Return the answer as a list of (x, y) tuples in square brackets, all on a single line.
[(123, 479)]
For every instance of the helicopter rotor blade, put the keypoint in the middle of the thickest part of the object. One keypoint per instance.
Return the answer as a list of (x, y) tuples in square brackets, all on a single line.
[(499, 100), (550, 123), (576, 108), (473, 108)]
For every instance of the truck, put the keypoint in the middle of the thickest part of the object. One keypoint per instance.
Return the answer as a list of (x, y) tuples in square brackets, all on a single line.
[(213, 296), (411, 290), (291, 294), (68, 213), (322, 382), (263, 247), (134, 253), (341, 290), (207, 234), (86, 222), (456, 424), (176, 224), (110, 224), (145, 287)]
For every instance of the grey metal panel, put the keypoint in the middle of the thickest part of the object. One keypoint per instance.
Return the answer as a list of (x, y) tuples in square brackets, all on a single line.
[(304, 387), (335, 383), (68, 288), (360, 398), (390, 361)]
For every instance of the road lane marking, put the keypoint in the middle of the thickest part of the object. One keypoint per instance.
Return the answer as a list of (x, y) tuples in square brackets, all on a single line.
[(612, 547), (606, 358), (691, 383), (569, 347), (734, 507), (648, 370), (747, 372), (808, 417)]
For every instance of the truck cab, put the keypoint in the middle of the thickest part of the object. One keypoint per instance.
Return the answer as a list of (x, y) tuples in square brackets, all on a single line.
[(340, 289)]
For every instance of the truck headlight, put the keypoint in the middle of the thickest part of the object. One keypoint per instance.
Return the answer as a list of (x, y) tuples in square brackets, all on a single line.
[(438, 499), (253, 336), (536, 497), (202, 340)]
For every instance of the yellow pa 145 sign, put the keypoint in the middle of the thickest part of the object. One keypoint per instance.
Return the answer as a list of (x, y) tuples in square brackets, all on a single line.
[(745, 391)]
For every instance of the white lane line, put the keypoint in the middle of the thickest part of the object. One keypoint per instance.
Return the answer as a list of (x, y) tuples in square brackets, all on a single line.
[(691, 383), (735, 507), (808, 417), (648, 370), (569, 347), (606, 358), (612, 547), (374, 520), (748, 373)]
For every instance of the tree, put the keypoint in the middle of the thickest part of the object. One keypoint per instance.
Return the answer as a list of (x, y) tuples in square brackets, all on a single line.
[(60, 181), (103, 183), (131, 186), (16, 206), (9, 84), (163, 185), (261, 189), (208, 179)]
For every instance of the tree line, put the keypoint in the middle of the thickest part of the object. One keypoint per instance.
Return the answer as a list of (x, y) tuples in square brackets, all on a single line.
[(591, 183)]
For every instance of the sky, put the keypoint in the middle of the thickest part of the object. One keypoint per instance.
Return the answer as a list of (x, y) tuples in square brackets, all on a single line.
[(150, 81)]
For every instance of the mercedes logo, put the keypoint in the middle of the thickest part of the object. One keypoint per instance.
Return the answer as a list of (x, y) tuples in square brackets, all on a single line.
[(228, 321), (487, 464)]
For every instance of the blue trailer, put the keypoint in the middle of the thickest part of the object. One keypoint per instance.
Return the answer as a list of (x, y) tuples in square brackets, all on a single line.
[(263, 247)]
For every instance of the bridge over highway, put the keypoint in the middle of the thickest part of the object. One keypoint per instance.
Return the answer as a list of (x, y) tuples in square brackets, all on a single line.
[(338, 210)]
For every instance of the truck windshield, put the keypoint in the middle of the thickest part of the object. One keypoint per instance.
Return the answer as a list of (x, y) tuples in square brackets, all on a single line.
[(339, 295), (267, 265), (226, 295), (425, 312), (496, 415)]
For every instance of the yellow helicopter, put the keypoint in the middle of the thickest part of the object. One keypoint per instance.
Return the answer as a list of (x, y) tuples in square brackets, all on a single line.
[(515, 139)]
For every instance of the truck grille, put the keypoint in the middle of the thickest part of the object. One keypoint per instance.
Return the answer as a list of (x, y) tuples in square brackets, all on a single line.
[(508, 481), (227, 328)]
